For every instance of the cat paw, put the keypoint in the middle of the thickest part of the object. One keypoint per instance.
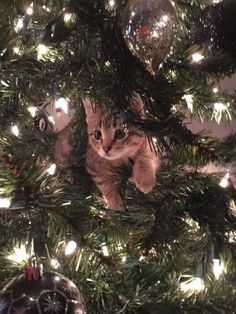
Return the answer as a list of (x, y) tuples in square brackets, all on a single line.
[(145, 185)]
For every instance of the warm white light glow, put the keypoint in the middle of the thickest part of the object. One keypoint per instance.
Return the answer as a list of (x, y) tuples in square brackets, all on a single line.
[(52, 169), (189, 100), (70, 247), (19, 254), (5, 203), (62, 103), (215, 90), (104, 250), (19, 24), (15, 130), (41, 51), (217, 268), (54, 263), (219, 106), (16, 50), (225, 181), (4, 83), (33, 111), (30, 10), (112, 3), (197, 57), (67, 17), (192, 285)]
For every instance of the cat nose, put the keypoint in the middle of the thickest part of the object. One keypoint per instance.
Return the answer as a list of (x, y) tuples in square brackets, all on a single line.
[(107, 148)]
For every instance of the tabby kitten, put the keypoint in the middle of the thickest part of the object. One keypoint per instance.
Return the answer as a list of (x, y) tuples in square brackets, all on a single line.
[(111, 144)]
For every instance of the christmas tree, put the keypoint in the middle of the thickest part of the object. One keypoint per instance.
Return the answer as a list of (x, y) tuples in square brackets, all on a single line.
[(173, 249)]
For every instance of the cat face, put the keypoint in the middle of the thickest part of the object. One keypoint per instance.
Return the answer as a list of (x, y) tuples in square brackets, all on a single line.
[(108, 135)]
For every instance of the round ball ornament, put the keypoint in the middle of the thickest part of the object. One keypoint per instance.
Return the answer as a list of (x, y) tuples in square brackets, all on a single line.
[(50, 293), (149, 29), (214, 29)]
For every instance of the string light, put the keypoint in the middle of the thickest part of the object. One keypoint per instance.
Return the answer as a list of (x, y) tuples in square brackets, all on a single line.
[(42, 50), (112, 3), (16, 50), (15, 130), (19, 254), (104, 250), (52, 169), (225, 181), (5, 203), (67, 17), (70, 247), (217, 268), (33, 111), (19, 24), (219, 109), (30, 10), (189, 100), (193, 285), (197, 57), (62, 103), (4, 83), (215, 90), (54, 263)]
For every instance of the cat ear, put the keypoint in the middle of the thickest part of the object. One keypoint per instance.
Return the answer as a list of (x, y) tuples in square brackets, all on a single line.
[(137, 104), (89, 110)]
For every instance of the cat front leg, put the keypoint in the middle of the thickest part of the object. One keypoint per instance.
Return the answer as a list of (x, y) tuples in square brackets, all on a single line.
[(110, 191), (144, 173)]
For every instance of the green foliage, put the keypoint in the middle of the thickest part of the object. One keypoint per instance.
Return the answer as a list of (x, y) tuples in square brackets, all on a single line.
[(134, 261)]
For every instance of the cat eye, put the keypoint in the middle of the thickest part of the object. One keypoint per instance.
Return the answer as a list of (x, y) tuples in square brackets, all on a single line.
[(120, 134), (97, 134)]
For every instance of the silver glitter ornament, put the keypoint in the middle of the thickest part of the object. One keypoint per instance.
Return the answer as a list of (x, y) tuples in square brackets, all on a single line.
[(149, 29), (51, 293)]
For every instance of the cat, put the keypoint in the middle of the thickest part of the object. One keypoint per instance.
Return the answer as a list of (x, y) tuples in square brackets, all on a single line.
[(113, 144)]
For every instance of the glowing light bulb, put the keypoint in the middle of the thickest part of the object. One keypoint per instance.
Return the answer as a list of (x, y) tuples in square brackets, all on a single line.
[(62, 103), (67, 17), (42, 50), (194, 285), (19, 254), (70, 247), (225, 181), (54, 263), (189, 100), (5, 203), (215, 90), (112, 3), (217, 268), (16, 50), (52, 169), (30, 10), (15, 130), (104, 250), (33, 111), (197, 57), (19, 24), (219, 106)]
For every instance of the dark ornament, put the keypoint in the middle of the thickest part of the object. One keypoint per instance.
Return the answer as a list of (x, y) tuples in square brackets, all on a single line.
[(149, 28), (214, 29), (51, 293)]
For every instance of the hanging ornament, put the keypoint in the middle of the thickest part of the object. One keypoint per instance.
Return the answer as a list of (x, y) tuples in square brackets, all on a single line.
[(149, 28), (214, 29), (36, 293)]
